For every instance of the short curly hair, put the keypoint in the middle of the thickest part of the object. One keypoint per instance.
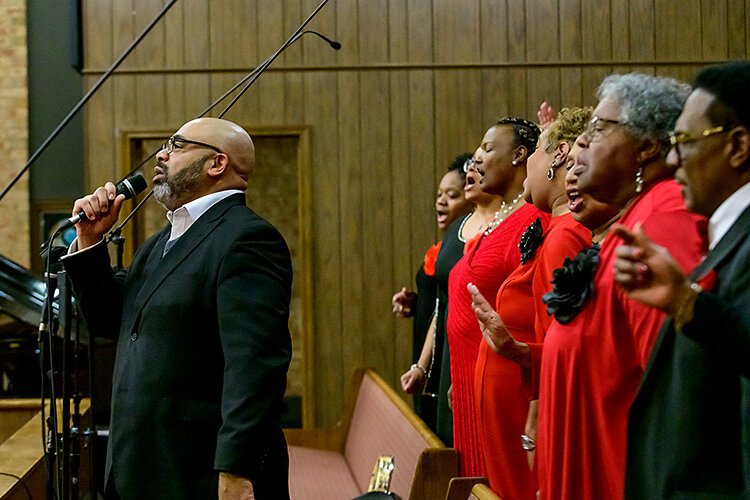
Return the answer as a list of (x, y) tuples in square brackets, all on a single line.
[(649, 105), (569, 124), (525, 132)]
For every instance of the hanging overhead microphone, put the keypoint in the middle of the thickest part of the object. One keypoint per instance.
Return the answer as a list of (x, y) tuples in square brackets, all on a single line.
[(333, 43), (130, 186), (255, 74)]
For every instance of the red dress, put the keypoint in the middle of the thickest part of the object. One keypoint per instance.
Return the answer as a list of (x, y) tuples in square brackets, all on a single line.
[(503, 406), (486, 265), (592, 366), (564, 238)]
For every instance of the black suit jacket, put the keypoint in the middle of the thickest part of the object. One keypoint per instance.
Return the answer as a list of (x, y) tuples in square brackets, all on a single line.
[(686, 425), (202, 354)]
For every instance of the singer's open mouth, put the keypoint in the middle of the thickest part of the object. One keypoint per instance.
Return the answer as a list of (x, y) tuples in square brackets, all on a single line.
[(158, 174)]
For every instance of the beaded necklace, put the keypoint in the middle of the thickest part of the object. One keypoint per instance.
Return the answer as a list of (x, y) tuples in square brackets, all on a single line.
[(502, 214)]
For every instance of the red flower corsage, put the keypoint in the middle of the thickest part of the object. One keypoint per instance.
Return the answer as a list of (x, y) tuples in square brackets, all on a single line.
[(430, 258), (707, 281)]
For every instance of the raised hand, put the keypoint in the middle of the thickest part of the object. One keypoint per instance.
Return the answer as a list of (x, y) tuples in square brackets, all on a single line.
[(545, 115), (403, 303), (101, 209), (647, 272), (490, 323), (494, 332)]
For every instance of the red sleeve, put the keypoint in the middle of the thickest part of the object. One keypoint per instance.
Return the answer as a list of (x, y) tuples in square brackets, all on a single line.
[(565, 240)]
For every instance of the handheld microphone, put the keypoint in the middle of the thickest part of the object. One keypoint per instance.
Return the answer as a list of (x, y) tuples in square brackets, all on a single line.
[(130, 186)]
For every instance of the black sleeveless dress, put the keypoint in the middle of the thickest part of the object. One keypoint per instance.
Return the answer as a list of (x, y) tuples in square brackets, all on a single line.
[(451, 251)]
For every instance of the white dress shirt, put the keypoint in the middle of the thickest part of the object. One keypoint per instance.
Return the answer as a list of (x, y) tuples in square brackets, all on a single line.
[(727, 214), (182, 218), (185, 216)]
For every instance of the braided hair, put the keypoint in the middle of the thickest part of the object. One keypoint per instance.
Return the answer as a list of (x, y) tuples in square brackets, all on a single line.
[(525, 132)]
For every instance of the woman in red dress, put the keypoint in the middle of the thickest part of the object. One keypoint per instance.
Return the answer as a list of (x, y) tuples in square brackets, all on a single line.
[(596, 350), (435, 378), (523, 320), (501, 160)]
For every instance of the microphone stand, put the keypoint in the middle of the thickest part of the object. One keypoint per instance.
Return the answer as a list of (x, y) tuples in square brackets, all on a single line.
[(62, 447), (65, 314), (46, 339), (115, 237), (47, 327)]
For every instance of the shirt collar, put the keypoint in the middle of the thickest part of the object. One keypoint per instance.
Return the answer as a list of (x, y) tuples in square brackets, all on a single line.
[(185, 216), (727, 214)]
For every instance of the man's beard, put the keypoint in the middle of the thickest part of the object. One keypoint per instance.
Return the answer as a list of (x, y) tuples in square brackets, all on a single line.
[(175, 191)]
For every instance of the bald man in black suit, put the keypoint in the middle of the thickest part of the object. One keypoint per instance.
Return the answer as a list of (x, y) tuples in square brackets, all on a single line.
[(201, 322)]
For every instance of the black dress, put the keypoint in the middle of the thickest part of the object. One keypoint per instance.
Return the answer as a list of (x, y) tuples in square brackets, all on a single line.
[(451, 251), (424, 308)]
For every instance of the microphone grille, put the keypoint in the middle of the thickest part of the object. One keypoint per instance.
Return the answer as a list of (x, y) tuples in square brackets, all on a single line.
[(132, 185)]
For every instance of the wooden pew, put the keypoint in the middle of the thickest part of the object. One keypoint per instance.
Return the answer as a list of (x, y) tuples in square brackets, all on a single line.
[(461, 488), (481, 491), (337, 462)]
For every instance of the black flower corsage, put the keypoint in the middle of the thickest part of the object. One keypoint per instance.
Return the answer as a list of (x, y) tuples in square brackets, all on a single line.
[(573, 284), (531, 238)]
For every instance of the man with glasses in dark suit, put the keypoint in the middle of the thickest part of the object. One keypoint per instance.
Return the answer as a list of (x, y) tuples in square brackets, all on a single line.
[(689, 427), (201, 322)]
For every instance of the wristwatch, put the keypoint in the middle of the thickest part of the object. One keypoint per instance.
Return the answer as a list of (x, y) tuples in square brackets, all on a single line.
[(527, 443)]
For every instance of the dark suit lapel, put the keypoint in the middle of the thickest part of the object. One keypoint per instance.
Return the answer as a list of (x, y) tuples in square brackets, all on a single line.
[(736, 234), (153, 259), (160, 267)]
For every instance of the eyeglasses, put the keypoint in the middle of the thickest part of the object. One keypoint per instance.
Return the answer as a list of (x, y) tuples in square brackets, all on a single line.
[(469, 165), (177, 142), (676, 139), (595, 129)]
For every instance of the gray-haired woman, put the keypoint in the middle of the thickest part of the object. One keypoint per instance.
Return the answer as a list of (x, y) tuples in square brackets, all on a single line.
[(596, 350)]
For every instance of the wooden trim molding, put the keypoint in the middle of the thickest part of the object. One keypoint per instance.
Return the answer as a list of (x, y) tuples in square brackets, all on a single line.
[(407, 66)]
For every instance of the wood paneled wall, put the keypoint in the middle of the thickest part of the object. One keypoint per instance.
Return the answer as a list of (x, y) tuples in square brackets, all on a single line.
[(415, 83)]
